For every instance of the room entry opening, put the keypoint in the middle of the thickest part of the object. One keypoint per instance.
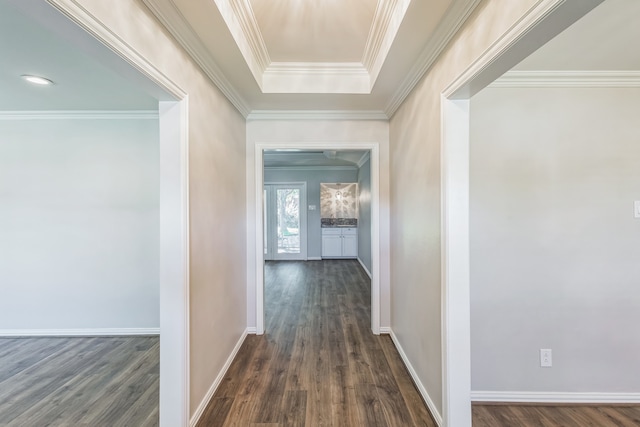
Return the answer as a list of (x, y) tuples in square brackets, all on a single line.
[(285, 231)]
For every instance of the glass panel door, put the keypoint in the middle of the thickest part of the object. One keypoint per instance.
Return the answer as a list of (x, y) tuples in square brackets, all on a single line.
[(285, 221)]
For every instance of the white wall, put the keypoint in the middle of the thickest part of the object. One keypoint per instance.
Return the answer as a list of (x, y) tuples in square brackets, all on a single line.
[(364, 214), (217, 211), (313, 177), (554, 244), (79, 224), (313, 131), (415, 188)]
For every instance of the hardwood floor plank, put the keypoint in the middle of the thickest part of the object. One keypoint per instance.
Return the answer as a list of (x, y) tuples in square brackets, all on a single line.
[(535, 415), (62, 381), (313, 366)]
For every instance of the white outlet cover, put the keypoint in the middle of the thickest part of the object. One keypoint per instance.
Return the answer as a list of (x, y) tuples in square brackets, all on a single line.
[(546, 360)]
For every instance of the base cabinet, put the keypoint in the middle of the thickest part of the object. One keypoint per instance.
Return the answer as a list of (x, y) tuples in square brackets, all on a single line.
[(340, 242)]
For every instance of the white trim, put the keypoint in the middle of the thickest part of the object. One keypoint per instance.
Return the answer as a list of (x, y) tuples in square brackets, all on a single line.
[(385, 330), (433, 409), (216, 383), (251, 30), (542, 79), (89, 332), (540, 23), (455, 17), (251, 331), (181, 30), (258, 250), (366, 270), (174, 217), (317, 115), (312, 168), (314, 258), (384, 28), (80, 115), (455, 276), (553, 397)]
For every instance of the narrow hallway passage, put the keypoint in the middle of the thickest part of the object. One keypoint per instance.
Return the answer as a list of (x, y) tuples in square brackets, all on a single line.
[(318, 363)]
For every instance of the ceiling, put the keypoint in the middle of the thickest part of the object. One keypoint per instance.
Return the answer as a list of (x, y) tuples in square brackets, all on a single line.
[(314, 158), (30, 43), (328, 46)]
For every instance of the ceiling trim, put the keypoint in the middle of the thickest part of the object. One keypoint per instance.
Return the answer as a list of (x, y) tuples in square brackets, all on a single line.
[(80, 115), (169, 15), (256, 115), (313, 77), (386, 22), (450, 24), (306, 168), (541, 79), (325, 77), (366, 156)]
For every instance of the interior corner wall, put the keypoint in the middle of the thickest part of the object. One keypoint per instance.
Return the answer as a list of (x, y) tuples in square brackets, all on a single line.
[(79, 224), (333, 132), (554, 241), (415, 188), (313, 177), (217, 210), (364, 214)]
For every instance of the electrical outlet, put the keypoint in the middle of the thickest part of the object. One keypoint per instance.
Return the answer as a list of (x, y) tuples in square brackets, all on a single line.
[(545, 358)]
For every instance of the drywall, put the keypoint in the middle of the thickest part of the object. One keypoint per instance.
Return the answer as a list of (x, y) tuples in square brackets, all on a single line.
[(334, 133), (79, 224), (217, 210), (554, 243), (364, 214), (415, 188), (313, 177)]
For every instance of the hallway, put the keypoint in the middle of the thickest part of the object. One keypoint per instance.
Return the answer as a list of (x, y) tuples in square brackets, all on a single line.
[(318, 363)]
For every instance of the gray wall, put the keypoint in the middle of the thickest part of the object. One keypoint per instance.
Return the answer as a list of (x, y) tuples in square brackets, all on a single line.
[(555, 254), (364, 209), (313, 177), (79, 224)]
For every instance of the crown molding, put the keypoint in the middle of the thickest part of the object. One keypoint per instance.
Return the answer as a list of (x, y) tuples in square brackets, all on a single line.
[(169, 16), (312, 168), (325, 77), (366, 156), (450, 24), (550, 79), (386, 22), (251, 29), (257, 115), (80, 115)]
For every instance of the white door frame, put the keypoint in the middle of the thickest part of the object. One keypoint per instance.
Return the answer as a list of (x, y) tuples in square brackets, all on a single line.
[(545, 20), (303, 219), (375, 220), (174, 209)]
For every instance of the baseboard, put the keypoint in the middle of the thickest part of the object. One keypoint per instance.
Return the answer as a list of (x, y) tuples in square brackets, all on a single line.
[(314, 258), (385, 330), (366, 270), (553, 397), (207, 398), (423, 391), (96, 332), (252, 330)]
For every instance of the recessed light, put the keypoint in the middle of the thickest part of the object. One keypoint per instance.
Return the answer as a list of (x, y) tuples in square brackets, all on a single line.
[(37, 80)]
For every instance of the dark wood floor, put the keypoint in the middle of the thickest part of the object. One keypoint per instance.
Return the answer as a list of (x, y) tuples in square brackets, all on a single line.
[(514, 415), (318, 363), (79, 381)]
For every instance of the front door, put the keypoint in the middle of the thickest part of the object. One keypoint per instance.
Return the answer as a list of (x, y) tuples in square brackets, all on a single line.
[(285, 219)]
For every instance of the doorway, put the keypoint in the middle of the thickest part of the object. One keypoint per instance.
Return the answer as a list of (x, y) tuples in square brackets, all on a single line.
[(285, 221)]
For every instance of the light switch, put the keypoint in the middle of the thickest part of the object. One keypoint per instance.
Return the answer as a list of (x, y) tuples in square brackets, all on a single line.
[(312, 207), (636, 209)]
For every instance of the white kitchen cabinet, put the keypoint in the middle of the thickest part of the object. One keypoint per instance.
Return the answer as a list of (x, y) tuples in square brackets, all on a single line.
[(340, 242)]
